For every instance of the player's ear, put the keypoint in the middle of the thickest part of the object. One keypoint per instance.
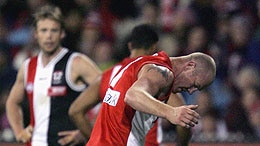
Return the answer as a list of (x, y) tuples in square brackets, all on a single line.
[(129, 45), (35, 34), (63, 34), (190, 65), (154, 48)]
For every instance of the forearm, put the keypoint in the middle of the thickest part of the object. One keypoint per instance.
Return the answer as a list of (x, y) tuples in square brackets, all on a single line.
[(87, 100), (183, 136), (144, 102), (83, 124), (15, 117)]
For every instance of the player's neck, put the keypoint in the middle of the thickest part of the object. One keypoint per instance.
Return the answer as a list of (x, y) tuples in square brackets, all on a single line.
[(48, 56), (178, 64), (137, 53)]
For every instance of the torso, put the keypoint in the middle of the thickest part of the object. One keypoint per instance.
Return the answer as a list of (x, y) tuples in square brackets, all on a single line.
[(117, 120), (50, 92)]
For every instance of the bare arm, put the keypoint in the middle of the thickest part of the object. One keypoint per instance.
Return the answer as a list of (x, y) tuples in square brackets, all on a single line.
[(183, 134), (84, 70), (14, 109), (153, 80), (87, 99)]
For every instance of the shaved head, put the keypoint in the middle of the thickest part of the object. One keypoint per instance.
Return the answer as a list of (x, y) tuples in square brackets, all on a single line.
[(205, 67)]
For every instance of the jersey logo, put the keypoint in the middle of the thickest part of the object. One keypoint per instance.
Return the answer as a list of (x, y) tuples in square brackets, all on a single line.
[(111, 97), (57, 91), (57, 77)]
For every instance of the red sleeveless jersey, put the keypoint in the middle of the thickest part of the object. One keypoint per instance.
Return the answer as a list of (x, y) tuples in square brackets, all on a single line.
[(115, 119)]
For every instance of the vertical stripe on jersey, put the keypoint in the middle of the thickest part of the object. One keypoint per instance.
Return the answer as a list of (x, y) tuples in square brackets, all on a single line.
[(29, 84), (30, 81)]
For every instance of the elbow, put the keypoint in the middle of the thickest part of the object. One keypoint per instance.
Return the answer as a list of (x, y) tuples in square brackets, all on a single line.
[(72, 112), (126, 100), (130, 98), (76, 111)]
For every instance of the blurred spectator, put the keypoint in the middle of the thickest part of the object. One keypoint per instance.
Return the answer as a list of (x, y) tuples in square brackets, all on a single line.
[(90, 34), (183, 19), (248, 77), (19, 36), (147, 12), (206, 15), (18, 16), (169, 44), (255, 110), (251, 100), (237, 115), (4, 45), (168, 8), (87, 5), (6, 134), (150, 12), (121, 49), (12, 10), (114, 11), (73, 26), (240, 33), (212, 128), (103, 54), (7, 72), (28, 50), (3, 32), (218, 48), (253, 51), (34, 5), (20, 31), (197, 40), (221, 96)]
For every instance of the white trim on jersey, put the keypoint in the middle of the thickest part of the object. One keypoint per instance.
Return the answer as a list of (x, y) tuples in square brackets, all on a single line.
[(53, 60), (68, 75), (119, 75), (26, 65), (114, 71)]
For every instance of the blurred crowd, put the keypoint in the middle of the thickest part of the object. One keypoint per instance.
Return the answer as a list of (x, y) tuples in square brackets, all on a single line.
[(228, 30)]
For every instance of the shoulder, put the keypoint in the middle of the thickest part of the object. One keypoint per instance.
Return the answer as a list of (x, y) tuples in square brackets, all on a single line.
[(157, 72), (83, 65), (79, 58), (157, 68)]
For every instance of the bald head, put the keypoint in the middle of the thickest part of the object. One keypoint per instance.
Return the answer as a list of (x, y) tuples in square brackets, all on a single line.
[(193, 72), (205, 67)]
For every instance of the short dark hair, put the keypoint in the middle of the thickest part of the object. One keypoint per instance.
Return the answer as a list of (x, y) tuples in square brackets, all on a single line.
[(143, 36)]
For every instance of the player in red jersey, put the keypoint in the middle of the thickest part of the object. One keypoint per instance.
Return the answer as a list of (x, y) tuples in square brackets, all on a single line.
[(138, 47), (136, 131)]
